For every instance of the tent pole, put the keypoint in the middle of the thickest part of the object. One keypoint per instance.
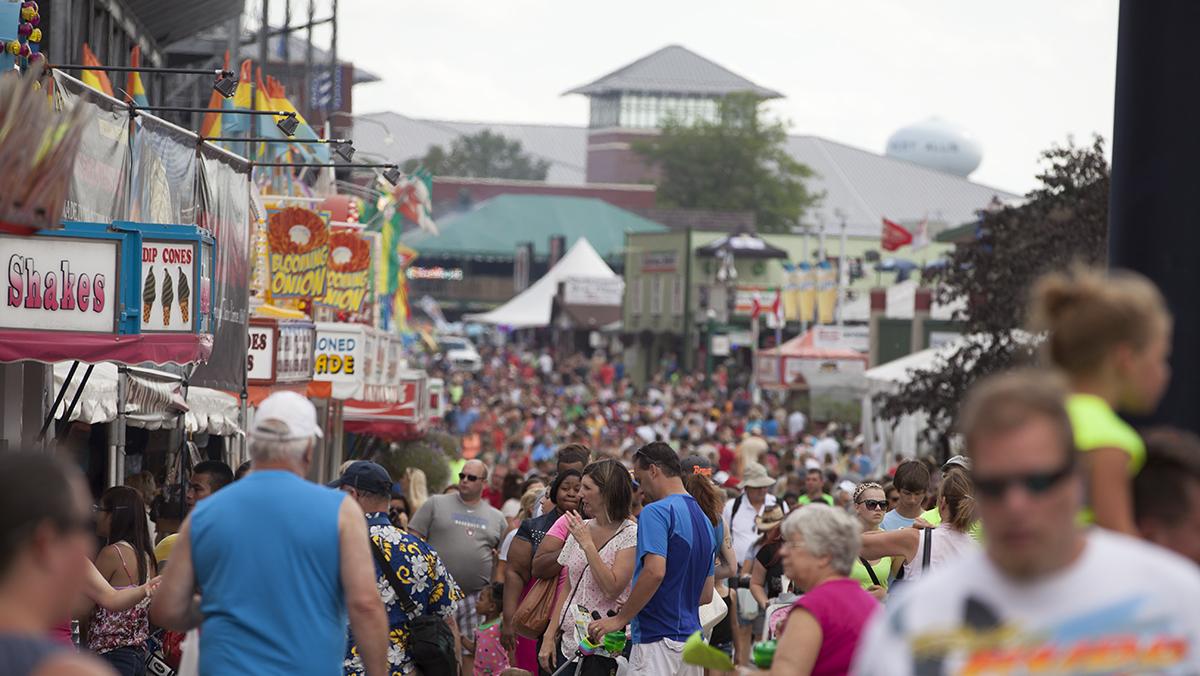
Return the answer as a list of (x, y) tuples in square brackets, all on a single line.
[(78, 393), (62, 393)]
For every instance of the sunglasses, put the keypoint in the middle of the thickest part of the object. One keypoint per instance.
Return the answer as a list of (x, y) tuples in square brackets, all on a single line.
[(1035, 483), (463, 476), (874, 505)]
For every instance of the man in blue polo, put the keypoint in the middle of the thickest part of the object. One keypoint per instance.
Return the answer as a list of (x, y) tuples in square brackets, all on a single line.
[(674, 570)]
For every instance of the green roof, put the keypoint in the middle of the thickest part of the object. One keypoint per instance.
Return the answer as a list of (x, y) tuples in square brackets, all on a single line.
[(494, 228)]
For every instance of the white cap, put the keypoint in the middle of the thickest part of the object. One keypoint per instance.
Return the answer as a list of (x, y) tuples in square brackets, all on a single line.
[(291, 409)]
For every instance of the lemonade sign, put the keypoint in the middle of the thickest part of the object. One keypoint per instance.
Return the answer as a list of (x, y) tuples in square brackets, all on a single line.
[(349, 273), (297, 253)]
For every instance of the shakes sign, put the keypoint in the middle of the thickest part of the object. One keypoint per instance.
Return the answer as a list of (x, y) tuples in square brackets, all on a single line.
[(59, 284)]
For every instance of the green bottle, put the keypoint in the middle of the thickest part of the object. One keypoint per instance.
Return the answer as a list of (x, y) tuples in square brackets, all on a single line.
[(614, 642), (763, 654)]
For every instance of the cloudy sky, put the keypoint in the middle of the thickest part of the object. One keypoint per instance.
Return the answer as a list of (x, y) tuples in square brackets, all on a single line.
[(1020, 74)]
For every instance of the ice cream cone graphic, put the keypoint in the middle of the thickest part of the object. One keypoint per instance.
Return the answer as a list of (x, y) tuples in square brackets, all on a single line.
[(168, 297), (185, 296), (148, 294)]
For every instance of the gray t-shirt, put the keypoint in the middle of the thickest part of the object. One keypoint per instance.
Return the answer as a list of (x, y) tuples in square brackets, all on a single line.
[(463, 536)]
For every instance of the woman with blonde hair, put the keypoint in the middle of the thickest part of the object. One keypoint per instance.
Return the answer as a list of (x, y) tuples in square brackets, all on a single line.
[(415, 488), (1110, 334), (924, 549), (870, 504)]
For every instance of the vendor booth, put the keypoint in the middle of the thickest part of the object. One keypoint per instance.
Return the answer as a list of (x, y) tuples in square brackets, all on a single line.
[(800, 364)]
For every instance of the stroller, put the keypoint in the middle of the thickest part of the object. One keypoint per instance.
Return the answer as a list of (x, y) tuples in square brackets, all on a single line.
[(591, 659)]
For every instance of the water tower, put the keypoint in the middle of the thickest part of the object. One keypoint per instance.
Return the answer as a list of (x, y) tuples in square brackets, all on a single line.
[(937, 144)]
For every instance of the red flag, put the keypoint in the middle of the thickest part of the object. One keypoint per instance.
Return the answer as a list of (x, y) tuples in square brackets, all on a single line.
[(776, 306), (755, 308), (895, 236)]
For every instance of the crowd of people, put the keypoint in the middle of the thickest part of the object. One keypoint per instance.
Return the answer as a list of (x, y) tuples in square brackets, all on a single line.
[(599, 528)]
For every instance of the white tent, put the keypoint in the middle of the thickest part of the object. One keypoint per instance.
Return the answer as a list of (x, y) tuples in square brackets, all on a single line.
[(900, 300), (901, 435), (531, 308)]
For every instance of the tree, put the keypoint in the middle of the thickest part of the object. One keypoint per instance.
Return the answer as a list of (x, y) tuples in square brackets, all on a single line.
[(1063, 221), (482, 155), (739, 163)]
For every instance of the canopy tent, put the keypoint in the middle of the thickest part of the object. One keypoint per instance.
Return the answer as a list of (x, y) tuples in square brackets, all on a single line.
[(741, 245), (800, 363), (901, 435), (154, 399), (531, 307)]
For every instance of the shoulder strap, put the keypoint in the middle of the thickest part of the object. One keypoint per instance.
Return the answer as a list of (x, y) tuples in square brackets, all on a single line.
[(925, 556), (117, 547), (870, 571), (406, 602), (737, 504)]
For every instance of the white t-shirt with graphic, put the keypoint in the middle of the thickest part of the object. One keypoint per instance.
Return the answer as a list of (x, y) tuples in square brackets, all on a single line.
[(1123, 607)]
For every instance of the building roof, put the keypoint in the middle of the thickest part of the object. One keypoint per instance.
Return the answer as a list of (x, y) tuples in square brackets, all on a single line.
[(399, 138), (494, 228), (864, 187), (183, 19), (859, 184), (674, 70), (208, 45)]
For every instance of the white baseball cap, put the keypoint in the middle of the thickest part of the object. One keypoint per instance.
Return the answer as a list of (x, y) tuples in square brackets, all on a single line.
[(291, 409)]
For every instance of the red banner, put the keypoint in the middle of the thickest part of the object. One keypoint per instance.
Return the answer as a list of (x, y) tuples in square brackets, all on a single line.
[(895, 236)]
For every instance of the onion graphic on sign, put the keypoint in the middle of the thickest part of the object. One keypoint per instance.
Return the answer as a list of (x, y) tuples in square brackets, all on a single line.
[(298, 252), (148, 294), (349, 271)]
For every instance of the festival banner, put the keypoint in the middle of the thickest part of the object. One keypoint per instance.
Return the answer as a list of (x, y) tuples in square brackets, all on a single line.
[(826, 292), (298, 245), (807, 291), (791, 293), (349, 271)]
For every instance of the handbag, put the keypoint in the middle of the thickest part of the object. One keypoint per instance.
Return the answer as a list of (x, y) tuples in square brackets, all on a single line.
[(430, 640), (533, 614)]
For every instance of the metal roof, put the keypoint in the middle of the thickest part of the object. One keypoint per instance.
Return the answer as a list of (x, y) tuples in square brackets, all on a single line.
[(565, 147), (674, 70), (494, 227), (182, 19), (862, 185)]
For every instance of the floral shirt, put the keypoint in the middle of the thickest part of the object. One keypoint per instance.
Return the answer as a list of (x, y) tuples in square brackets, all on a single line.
[(426, 580)]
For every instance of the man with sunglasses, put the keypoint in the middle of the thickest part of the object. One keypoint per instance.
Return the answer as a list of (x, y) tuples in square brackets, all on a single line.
[(465, 531), (1044, 595)]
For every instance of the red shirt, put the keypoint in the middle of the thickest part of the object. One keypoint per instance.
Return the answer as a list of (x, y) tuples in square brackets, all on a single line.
[(607, 374)]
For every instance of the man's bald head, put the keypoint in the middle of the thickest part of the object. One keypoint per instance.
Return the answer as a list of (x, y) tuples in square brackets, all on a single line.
[(471, 481)]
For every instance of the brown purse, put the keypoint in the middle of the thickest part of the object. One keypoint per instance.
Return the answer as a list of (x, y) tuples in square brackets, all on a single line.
[(533, 614)]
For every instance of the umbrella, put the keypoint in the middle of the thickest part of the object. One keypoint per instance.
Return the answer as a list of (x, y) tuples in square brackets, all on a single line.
[(741, 245)]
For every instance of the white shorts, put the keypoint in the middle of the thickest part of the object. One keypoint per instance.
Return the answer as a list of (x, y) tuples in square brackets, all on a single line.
[(661, 658)]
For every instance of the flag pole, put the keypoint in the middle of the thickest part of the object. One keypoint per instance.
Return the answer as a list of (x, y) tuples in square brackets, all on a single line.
[(803, 280), (842, 272)]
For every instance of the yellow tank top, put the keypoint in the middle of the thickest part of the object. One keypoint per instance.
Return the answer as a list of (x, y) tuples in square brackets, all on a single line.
[(882, 570), (1096, 425)]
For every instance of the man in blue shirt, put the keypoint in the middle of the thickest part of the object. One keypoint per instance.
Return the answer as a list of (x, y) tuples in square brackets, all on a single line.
[(281, 563), (673, 576)]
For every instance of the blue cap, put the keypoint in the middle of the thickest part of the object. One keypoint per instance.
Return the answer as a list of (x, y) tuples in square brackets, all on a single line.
[(365, 476)]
